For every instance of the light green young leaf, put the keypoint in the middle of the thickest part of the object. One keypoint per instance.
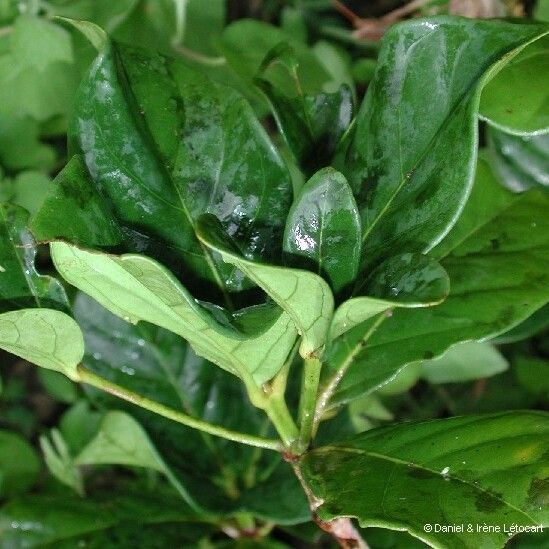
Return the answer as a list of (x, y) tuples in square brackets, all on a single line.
[(121, 441), (47, 338), (305, 297), (407, 280), (486, 469), (60, 463), (95, 34), (464, 362), (138, 288)]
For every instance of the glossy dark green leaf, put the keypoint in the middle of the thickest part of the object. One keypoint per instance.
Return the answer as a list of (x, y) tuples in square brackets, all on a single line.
[(497, 280), (411, 161), (178, 146), (407, 280), (305, 297), (19, 465), (323, 227), (534, 324), (438, 472), (219, 474), (517, 99), (312, 125), (521, 163), (20, 284), (126, 520)]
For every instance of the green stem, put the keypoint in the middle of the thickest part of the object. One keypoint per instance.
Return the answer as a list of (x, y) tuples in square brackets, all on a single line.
[(307, 403), (282, 420), (328, 391), (96, 381)]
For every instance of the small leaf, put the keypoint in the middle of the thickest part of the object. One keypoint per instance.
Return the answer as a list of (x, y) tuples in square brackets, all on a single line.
[(138, 288), (323, 226), (516, 100), (20, 283), (305, 297), (19, 465), (520, 162), (50, 339), (407, 280), (95, 34), (60, 463), (438, 472), (312, 125), (464, 362), (121, 441)]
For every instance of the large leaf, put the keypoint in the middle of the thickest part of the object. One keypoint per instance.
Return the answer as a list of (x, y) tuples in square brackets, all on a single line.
[(498, 280), (323, 227), (407, 280), (520, 162), (178, 146), (304, 296), (50, 339), (219, 474), (438, 472), (127, 520), (517, 99), (138, 288), (412, 158), (20, 283)]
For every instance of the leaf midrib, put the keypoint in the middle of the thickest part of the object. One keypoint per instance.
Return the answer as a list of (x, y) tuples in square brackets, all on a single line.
[(398, 461)]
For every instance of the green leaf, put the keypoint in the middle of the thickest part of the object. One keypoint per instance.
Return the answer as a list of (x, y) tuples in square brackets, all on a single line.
[(534, 324), (78, 425), (174, 151), (50, 339), (121, 441), (220, 475), (20, 283), (516, 100), (94, 33), (407, 280), (498, 280), (246, 42), (107, 517), (412, 172), (323, 227), (304, 296), (30, 189), (520, 162), (60, 462), (37, 75), (58, 386), (20, 147), (464, 362), (138, 288), (19, 465), (311, 125), (438, 472), (91, 220)]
